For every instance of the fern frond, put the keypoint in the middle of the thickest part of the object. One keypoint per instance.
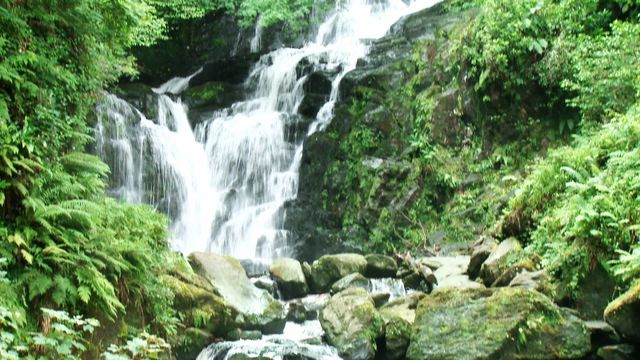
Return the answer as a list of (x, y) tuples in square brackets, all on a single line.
[(77, 162)]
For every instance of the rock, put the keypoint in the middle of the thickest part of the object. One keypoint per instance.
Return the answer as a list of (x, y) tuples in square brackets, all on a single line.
[(380, 298), (508, 275), (498, 261), (380, 266), (593, 293), (237, 334), (481, 251), (258, 310), (352, 324), (313, 304), (399, 316), (290, 279), (618, 352), (201, 307), (198, 339), (265, 283), (503, 323), (355, 280), (624, 314), (296, 311), (602, 334), (254, 268), (459, 282), (538, 280), (331, 268)]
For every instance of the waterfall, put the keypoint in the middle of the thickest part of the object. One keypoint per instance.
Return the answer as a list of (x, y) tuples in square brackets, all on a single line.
[(224, 182)]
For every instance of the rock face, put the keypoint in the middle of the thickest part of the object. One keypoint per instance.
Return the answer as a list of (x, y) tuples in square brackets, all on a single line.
[(380, 266), (503, 323), (290, 279), (352, 324), (497, 262), (399, 316), (257, 309), (331, 268), (624, 314)]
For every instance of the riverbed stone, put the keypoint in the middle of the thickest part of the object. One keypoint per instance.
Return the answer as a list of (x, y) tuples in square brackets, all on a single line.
[(508, 275), (380, 266), (503, 323), (355, 280), (499, 260), (256, 308), (399, 316), (352, 324), (331, 268), (624, 314), (290, 279), (618, 352), (481, 251)]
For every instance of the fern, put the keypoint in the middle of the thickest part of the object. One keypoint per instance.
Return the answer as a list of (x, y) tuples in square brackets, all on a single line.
[(78, 163)]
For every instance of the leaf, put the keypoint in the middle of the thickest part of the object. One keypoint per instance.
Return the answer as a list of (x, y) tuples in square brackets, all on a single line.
[(27, 256), (84, 293)]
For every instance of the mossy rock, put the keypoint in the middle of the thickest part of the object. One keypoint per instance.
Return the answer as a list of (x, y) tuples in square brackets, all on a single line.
[(399, 316), (291, 281), (508, 275), (258, 310), (380, 266), (504, 323), (624, 314), (352, 324), (331, 268), (355, 280), (503, 256)]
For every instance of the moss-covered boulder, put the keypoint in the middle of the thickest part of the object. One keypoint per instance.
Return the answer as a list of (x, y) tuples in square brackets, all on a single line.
[(398, 316), (352, 324), (480, 252), (499, 260), (290, 279), (355, 280), (504, 323), (512, 271), (380, 266), (256, 308), (624, 314), (331, 268)]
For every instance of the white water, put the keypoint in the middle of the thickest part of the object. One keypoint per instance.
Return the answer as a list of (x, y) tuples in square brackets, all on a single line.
[(225, 184)]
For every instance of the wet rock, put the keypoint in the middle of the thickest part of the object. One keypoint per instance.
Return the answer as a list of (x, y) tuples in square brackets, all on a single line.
[(602, 333), (355, 280), (257, 309), (331, 268), (618, 352), (537, 280), (380, 298), (352, 324), (296, 312), (593, 293), (498, 261), (254, 268), (504, 323), (380, 266), (237, 334), (290, 279), (265, 283), (399, 316), (313, 304), (481, 251), (459, 282), (624, 314)]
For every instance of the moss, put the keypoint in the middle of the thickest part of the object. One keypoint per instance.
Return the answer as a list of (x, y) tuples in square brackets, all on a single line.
[(205, 92)]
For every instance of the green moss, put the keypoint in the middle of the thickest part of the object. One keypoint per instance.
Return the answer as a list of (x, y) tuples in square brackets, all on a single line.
[(205, 92)]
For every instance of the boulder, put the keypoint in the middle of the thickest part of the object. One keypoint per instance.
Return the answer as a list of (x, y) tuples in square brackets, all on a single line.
[(618, 352), (355, 280), (624, 314), (508, 275), (257, 309), (602, 334), (499, 260), (290, 279), (503, 323), (265, 283), (380, 266), (380, 298), (398, 316), (331, 268), (593, 293), (481, 251), (537, 280), (352, 324), (450, 272)]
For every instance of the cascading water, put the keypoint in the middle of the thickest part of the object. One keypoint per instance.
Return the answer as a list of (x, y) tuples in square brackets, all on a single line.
[(224, 185)]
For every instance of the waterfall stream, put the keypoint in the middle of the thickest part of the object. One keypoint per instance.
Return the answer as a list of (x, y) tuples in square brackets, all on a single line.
[(224, 182)]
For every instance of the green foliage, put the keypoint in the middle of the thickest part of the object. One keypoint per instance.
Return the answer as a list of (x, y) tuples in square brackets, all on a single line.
[(142, 347)]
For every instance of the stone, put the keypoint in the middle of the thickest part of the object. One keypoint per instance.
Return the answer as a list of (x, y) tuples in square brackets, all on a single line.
[(256, 308), (618, 352), (502, 323), (593, 293), (331, 268), (313, 304), (399, 316), (458, 282), (352, 324), (481, 251), (355, 280), (237, 334), (289, 277), (380, 266), (508, 275), (602, 333), (380, 298), (498, 261), (623, 314), (265, 283)]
